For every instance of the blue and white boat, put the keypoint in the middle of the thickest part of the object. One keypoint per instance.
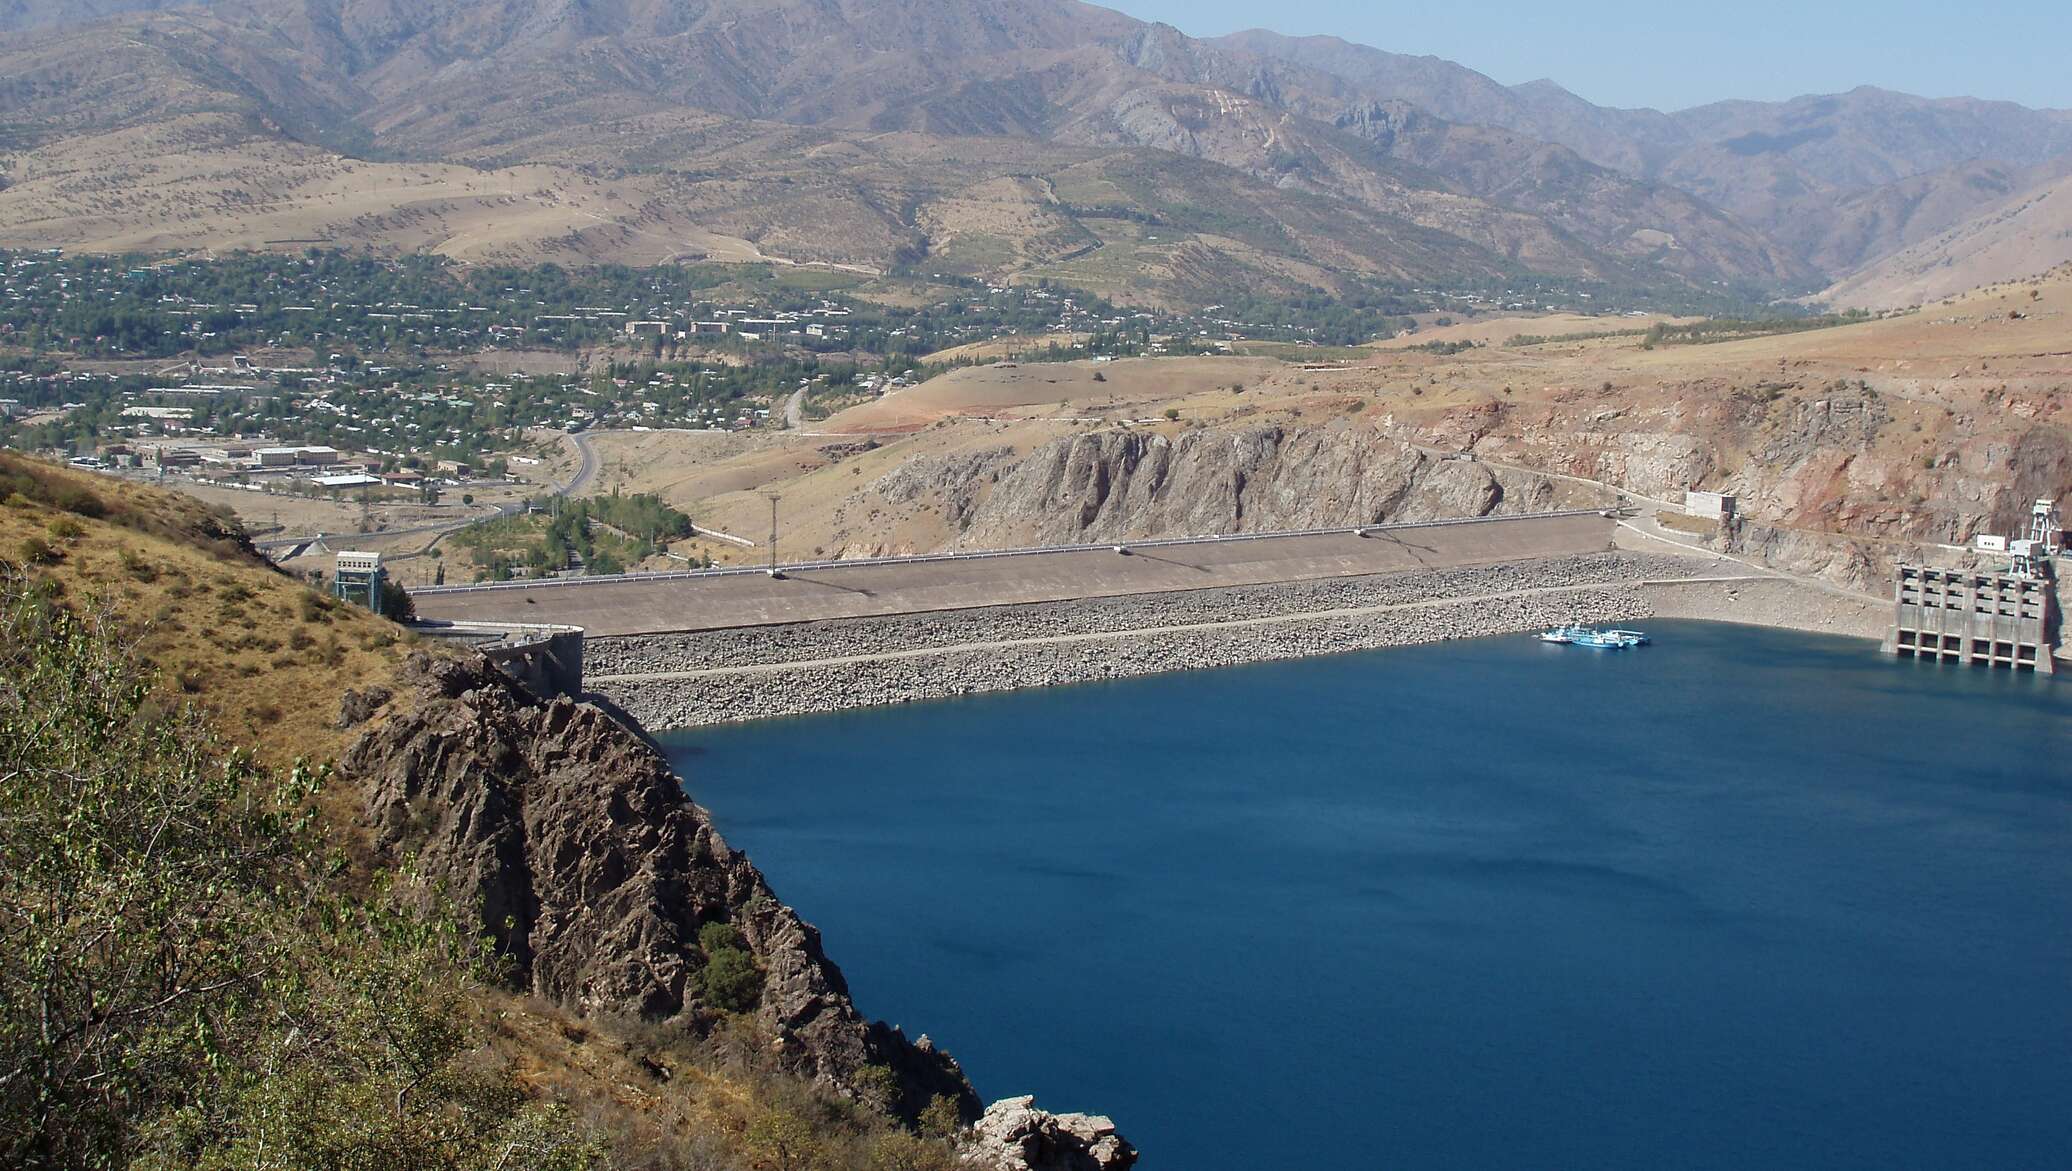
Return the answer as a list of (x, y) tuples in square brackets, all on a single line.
[(1597, 640)]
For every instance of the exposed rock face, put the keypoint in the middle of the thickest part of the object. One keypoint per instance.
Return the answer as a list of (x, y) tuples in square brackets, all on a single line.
[(1016, 1136), (572, 844), (1117, 485), (357, 707), (955, 478), (1838, 479)]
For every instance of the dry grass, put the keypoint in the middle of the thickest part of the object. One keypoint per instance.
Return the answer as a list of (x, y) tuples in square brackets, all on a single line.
[(1959, 381), (1024, 389), (1496, 331), (1695, 525), (213, 624)]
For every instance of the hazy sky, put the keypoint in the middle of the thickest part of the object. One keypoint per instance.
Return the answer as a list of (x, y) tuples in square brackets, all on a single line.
[(1669, 54)]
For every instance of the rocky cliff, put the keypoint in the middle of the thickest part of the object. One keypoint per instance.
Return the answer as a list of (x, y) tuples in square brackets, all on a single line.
[(1118, 485), (1836, 478), (564, 836)]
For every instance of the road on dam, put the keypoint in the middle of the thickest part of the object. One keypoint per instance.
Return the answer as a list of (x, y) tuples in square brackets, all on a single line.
[(719, 600)]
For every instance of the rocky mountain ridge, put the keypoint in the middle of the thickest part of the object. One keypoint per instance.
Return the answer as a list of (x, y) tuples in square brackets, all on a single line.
[(758, 121)]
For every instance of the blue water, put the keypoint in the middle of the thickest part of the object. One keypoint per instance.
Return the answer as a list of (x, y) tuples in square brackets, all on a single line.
[(1741, 900)]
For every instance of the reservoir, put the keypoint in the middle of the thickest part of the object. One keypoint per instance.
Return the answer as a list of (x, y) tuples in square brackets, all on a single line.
[(1743, 898)]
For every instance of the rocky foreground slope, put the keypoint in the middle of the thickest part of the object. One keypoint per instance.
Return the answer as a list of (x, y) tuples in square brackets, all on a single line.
[(571, 844), (645, 1001), (565, 839)]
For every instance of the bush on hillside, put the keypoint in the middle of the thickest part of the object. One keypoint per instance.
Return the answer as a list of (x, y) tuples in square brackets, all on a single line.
[(179, 985), (192, 978), (731, 981)]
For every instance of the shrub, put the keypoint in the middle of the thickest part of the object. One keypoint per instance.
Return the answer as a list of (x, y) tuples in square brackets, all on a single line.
[(245, 1013), (900, 1151), (783, 1141), (65, 528), (137, 567), (37, 551), (720, 937), (396, 603), (941, 1119), (730, 981), (78, 501)]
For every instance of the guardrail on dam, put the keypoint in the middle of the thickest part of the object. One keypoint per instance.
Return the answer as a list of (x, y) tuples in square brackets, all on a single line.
[(819, 590)]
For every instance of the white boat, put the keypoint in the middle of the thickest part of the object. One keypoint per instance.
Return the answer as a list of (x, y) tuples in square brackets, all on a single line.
[(1611, 640), (1596, 640)]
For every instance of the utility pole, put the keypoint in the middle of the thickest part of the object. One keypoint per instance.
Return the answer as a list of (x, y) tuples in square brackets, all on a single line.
[(773, 498)]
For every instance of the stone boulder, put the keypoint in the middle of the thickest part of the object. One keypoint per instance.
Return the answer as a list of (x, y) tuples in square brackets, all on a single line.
[(1014, 1135)]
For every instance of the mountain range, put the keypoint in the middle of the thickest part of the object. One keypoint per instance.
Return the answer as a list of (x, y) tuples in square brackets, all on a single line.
[(1041, 138)]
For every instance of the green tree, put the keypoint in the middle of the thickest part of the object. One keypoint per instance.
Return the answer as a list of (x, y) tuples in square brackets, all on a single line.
[(730, 981)]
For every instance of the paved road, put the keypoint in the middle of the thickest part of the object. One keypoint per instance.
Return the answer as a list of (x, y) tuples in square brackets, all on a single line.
[(712, 601), (587, 467)]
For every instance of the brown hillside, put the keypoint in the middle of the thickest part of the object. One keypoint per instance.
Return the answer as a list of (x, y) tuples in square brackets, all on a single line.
[(2020, 237), (211, 623), (853, 134)]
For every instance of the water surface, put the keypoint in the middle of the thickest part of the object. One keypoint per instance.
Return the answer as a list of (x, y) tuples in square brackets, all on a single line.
[(1742, 899)]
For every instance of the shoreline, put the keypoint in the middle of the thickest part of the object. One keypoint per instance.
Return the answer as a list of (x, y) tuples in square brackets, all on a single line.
[(683, 681)]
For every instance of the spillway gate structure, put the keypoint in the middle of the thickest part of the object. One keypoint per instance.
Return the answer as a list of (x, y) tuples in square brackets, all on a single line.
[(1969, 616)]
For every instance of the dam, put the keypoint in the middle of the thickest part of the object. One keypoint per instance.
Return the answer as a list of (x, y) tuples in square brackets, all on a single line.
[(692, 649), (820, 591)]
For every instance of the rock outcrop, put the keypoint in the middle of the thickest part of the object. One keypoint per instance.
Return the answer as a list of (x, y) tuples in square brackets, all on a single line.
[(1126, 485), (567, 840), (1836, 478), (1014, 1135), (956, 479)]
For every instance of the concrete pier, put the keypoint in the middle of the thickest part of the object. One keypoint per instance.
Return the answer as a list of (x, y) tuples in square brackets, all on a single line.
[(1969, 616)]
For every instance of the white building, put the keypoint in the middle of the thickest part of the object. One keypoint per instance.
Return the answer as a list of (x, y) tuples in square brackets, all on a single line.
[(1709, 505)]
